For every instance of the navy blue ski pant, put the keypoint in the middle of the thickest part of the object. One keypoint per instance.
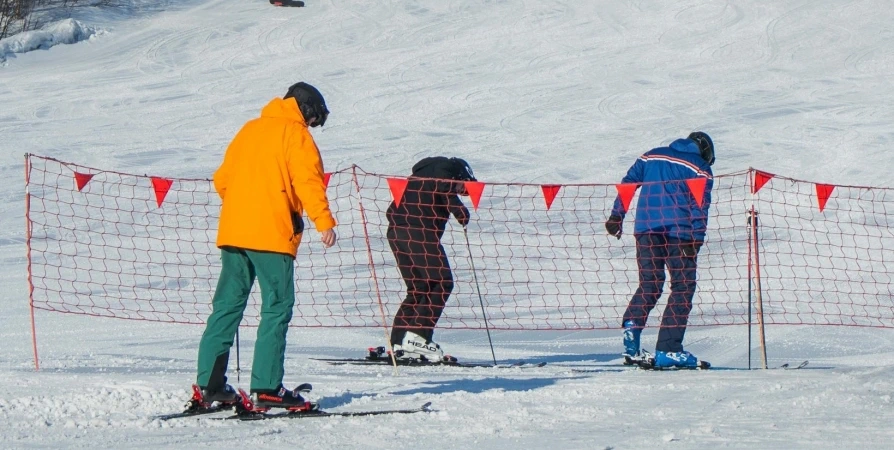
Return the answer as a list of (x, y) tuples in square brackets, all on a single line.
[(654, 254), (426, 271)]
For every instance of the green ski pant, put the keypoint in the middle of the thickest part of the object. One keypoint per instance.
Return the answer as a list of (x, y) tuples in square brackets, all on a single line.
[(275, 273)]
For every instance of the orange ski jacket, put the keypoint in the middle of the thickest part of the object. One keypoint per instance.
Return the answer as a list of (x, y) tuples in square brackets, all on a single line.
[(271, 171)]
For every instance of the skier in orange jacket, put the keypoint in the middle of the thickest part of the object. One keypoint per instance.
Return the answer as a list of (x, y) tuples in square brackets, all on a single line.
[(271, 174)]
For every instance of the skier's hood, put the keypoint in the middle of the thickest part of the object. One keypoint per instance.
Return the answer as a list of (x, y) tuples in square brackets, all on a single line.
[(443, 168), (283, 108), (686, 146)]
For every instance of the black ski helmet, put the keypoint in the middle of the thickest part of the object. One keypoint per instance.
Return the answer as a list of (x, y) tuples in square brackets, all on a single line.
[(310, 102), (705, 145), (462, 170)]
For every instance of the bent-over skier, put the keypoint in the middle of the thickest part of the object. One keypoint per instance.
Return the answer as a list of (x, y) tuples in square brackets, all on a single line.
[(415, 228), (669, 230)]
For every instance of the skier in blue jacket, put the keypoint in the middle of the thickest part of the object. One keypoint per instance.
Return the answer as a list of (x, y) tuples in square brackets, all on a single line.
[(669, 230)]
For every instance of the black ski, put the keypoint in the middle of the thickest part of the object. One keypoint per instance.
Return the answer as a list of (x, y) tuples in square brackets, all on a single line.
[(627, 362), (380, 356), (294, 3), (648, 363), (194, 412), (197, 406), (418, 363), (321, 413), (785, 366), (799, 366), (602, 369)]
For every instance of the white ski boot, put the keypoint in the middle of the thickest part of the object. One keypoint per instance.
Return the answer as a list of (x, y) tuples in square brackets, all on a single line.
[(414, 346)]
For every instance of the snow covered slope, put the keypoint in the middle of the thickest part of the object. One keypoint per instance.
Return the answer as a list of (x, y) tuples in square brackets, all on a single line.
[(549, 92)]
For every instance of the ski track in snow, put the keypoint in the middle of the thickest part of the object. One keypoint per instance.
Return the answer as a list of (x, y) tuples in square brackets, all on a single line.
[(557, 92)]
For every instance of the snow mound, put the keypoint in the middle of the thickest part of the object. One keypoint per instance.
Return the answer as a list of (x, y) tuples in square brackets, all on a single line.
[(68, 31)]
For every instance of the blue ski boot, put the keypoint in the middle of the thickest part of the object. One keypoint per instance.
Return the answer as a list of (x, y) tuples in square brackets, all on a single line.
[(681, 359), (632, 332)]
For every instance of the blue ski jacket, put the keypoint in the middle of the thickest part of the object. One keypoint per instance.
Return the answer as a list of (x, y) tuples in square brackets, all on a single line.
[(666, 204)]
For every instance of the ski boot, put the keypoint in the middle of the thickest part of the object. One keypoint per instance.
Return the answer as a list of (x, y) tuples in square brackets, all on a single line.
[(680, 360), (225, 395), (418, 348), (205, 401), (260, 401), (632, 354)]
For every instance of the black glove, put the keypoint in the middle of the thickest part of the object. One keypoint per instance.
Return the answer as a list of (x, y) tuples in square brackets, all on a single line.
[(613, 226), (297, 223), (463, 217), (690, 249)]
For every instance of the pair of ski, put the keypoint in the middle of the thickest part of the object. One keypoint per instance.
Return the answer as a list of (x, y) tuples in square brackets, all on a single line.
[(647, 361), (380, 356), (644, 361), (649, 364), (244, 409)]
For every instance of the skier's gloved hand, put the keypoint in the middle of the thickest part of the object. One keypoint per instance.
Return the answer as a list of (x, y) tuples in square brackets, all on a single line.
[(690, 249), (614, 226), (463, 217)]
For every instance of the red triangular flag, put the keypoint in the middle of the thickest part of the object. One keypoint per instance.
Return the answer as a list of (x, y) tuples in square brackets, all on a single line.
[(475, 188), (697, 187), (626, 191), (549, 193), (161, 186), (397, 186), (81, 179), (823, 192), (760, 179), (326, 177)]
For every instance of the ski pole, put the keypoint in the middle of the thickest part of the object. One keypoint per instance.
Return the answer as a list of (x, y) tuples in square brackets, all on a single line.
[(757, 286), (480, 300), (750, 242), (238, 368)]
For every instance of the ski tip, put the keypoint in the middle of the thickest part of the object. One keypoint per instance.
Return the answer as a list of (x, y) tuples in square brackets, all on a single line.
[(426, 407), (786, 366)]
